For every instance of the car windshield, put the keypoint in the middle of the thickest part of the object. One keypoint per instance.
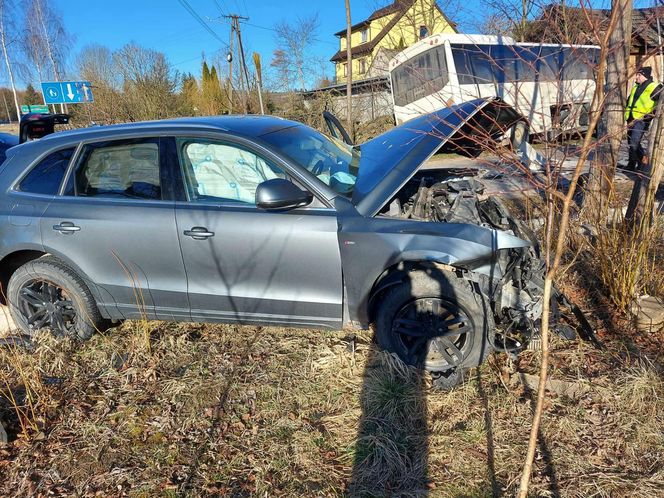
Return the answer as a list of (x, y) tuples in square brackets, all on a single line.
[(333, 162)]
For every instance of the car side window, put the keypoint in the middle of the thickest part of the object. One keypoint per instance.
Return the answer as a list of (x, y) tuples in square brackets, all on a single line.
[(124, 168), (217, 171), (46, 176)]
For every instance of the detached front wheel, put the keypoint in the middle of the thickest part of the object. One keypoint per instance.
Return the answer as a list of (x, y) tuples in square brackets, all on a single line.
[(47, 294), (437, 322)]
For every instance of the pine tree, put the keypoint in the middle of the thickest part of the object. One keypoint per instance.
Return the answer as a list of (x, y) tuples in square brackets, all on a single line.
[(190, 95), (212, 101), (31, 97), (206, 73)]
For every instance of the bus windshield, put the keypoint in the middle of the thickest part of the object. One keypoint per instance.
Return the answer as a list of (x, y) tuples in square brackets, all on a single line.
[(420, 76)]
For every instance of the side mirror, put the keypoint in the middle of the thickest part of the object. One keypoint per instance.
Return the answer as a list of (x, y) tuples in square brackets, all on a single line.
[(281, 194)]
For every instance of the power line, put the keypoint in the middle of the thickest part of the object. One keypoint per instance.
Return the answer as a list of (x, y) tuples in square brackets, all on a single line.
[(187, 60), (201, 21), (221, 9), (276, 31)]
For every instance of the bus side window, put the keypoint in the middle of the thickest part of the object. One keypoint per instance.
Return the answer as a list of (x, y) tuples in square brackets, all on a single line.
[(484, 65), (538, 64), (438, 75), (551, 64), (577, 64), (503, 63), (526, 63), (461, 56)]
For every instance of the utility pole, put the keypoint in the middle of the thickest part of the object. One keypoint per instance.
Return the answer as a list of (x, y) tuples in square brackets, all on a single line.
[(349, 72), (235, 30), (230, 73), (244, 62)]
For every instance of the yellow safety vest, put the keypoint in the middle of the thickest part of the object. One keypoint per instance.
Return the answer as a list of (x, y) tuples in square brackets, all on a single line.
[(644, 105)]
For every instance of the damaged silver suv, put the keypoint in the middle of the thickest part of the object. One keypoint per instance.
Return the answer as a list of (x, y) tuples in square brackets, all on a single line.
[(260, 220)]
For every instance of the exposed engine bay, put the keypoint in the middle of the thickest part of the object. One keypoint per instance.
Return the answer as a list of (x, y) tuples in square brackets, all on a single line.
[(516, 295)]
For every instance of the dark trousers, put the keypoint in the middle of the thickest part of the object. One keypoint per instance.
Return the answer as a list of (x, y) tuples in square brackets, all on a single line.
[(636, 129)]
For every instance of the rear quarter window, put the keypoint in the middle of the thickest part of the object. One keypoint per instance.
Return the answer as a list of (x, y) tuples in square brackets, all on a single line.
[(47, 175)]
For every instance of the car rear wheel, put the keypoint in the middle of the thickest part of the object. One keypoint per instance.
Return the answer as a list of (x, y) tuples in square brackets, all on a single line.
[(47, 294), (436, 322)]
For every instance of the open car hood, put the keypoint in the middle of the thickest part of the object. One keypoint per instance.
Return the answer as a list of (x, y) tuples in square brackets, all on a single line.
[(388, 161)]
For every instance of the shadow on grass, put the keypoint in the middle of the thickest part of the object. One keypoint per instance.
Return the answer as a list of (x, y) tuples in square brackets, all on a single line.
[(543, 450), (422, 319), (391, 452), (496, 489)]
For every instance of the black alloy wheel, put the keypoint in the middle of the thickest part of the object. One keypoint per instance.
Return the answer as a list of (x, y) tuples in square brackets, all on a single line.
[(435, 321), (44, 304), (433, 333), (46, 293)]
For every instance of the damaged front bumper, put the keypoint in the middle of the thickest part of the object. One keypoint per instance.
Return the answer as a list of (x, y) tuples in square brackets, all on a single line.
[(514, 278)]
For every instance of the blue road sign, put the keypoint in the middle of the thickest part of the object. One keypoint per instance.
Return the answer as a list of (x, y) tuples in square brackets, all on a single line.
[(67, 92)]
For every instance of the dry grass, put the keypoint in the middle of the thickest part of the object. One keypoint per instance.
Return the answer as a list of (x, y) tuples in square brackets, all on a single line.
[(628, 260), (9, 128), (243, 411)]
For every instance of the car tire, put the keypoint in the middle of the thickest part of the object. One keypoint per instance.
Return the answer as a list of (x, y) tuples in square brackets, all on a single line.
[(436, 321), (46, 293)]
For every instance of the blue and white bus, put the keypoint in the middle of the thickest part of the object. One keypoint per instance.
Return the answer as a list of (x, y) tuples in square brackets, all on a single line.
[(552, 86)]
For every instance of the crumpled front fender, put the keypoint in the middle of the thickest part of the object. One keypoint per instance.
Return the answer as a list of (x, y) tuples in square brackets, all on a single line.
[(369, 246)]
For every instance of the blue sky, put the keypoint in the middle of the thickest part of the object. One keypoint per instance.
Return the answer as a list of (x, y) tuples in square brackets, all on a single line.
[(165, 25)]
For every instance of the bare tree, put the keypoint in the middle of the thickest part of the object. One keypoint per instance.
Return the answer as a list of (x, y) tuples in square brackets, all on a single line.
[(47, 40), (515, 13), (130, 84), (292, 59), (555, 248), (52, 39), (6, 32), (612, 126), (95, 64), (495, 24), (149, 82), (33, 46)]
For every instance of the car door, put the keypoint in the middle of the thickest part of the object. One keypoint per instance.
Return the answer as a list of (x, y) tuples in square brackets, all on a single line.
[(249, 265), (115, 223)]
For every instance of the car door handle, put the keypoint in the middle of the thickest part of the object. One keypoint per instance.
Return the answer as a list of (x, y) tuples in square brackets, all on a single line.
[(199, 233), (66, 227)]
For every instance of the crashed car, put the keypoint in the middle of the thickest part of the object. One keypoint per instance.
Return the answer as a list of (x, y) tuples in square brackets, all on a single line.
[(261, 220)]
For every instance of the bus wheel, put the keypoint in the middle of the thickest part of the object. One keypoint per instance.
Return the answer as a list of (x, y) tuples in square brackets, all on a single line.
[(520, 134)]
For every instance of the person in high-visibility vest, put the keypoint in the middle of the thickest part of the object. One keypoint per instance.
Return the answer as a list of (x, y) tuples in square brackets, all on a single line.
[(639, 111)]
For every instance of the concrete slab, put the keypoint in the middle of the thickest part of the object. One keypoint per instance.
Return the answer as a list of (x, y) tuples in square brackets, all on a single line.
[(649, 313), (6, 322), (3, 434)]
